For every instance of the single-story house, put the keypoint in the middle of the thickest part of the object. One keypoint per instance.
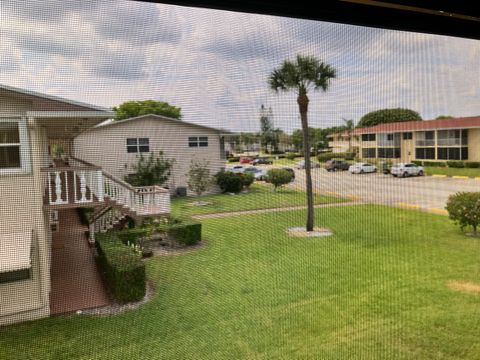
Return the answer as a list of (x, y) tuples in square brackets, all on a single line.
[(432, 140), (115, 146)]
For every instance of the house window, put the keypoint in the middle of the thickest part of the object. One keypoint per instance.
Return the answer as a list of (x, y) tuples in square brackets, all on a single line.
[(425, 153), (198, 141), (407, 136), (14, 149), (368, 137), (136, 145), (369, 153), (452, 153)]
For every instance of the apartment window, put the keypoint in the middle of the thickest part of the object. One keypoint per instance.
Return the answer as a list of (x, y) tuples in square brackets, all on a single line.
[(425, 153), (14, 149), (369, 153), (425, 138), (368, 137), (390, 137), (452, 153), (389, 153), (198, 141), (138, 145), (407, 136)]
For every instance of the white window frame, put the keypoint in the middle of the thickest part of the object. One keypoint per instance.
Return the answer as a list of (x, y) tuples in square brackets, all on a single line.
[(25, 160), (194, 141), (137, 145)]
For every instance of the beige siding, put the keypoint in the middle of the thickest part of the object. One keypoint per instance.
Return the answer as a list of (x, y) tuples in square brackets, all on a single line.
[(21, 209), (474, 145), (106, 147)]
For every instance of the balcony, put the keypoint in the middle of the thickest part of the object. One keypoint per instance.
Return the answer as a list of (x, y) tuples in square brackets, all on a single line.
[(449, 142), (422, 143)]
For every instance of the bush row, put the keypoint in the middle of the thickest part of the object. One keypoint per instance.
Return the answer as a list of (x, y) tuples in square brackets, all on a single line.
[(449, 163), (330, 155), (123, 268)]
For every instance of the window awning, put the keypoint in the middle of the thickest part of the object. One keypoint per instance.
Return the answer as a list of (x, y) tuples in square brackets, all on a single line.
[(15, 251)]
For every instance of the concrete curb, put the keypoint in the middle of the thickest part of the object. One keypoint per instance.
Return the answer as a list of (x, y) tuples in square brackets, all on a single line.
[(460, 177)]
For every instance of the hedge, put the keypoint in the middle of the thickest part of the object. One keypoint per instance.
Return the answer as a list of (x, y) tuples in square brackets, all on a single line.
[(456, 164), (330, 155), (472, 164), (123, 268), (187, 232), (234, 159)]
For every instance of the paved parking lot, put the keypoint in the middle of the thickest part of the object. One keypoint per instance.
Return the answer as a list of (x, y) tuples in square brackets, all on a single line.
[(429, 193)]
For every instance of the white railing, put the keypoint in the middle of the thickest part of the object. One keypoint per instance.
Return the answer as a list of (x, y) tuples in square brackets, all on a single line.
[(425, 143), (144, 200), (73, 183), (449, 141)]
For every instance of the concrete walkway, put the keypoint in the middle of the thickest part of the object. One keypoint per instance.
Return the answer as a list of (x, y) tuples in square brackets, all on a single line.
[(263, 211)]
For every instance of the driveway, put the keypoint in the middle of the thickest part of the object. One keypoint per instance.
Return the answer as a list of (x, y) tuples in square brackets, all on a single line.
[(424, 192)]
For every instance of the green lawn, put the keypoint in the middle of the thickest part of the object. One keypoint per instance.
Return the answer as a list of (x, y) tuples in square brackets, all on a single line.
[(431, 170), (261, 196), (375, 290)]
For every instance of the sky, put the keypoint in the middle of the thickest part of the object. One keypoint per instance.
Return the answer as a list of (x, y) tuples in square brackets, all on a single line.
[(215, 64)]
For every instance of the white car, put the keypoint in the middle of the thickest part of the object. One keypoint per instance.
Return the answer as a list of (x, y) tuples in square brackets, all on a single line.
[(301, 165), (259, 174), (361, 168), (237, 169), (406, 169)]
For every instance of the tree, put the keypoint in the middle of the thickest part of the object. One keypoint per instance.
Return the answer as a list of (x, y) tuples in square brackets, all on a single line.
[(154, 170), (349, 125), (267, 131), (199, 178), (439, 117), (464, 209), (388, 116), (301, 75), (130, 109), (278, 177)]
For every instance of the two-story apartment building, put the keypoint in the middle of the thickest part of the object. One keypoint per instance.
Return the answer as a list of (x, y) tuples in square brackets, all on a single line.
[(432, 140), (36, 189)]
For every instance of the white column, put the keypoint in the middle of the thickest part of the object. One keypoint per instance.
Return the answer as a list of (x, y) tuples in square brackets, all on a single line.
[(100, 185)]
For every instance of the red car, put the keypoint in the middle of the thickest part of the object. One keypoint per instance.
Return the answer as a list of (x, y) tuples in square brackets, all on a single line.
[(245, 160)]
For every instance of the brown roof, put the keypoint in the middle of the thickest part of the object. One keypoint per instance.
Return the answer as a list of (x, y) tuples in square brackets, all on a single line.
[(455, 123)]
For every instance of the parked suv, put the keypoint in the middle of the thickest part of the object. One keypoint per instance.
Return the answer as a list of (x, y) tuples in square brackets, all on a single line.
[(262, 161), (404, 170), (333, 165)]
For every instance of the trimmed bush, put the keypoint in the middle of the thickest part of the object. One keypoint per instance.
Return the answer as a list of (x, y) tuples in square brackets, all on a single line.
[(123, 268), (417, 162), (279, 177), (325, 156), (187, 232), (229, 182), (330, 155), (472, 164), (234, 159), (291, 155), (464, 209), (247, 179), (455, 164), (435, 163)]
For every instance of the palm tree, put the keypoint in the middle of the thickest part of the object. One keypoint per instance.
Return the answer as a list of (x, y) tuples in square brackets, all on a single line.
[(349, 125), (303, 74)]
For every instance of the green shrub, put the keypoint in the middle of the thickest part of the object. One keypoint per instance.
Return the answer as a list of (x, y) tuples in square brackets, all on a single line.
[(131, 236), (325, 156), (291, 155), (472, 164), (417, 162), (187, 233), (229, 182), (435, 163), (234, 159), (278, 177), (464, 209), (455, 164), (247, 179), (123, 268)]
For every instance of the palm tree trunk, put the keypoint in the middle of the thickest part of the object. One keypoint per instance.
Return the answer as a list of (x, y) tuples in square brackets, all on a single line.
[(302, 101)]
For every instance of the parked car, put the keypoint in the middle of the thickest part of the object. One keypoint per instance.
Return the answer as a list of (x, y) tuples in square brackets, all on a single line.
[(406, 169), (245, 160), (236, 169), (333, 165), (361, 168), (259, 174), (262, 161), (301, 164)]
